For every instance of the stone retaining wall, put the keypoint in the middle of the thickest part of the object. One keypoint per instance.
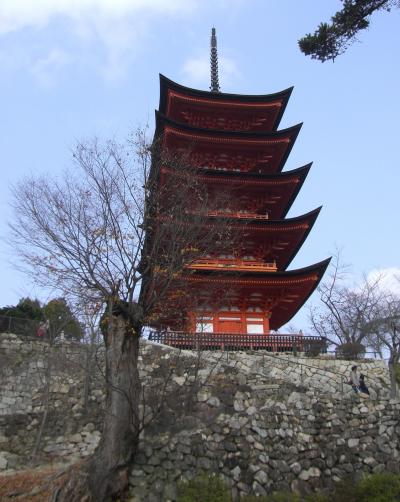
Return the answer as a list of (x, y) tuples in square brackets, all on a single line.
[(263, 423)]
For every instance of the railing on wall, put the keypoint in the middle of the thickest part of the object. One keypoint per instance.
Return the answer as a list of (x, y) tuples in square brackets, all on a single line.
[(235, 264), (19, 326), (237, 341), (241, 215)]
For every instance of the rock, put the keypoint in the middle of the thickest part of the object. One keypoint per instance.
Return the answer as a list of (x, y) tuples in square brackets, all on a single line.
[(251, 410), (3, 462), (75, 438), (180, 380), (353, 442), (170, 492), (202, 396), (393, 466), (89, 427), (312, 472), (296, 467), (258, 490), (204, 463), (236, 473), (261, 477), (238, 405), (52, 448), (213, 401)]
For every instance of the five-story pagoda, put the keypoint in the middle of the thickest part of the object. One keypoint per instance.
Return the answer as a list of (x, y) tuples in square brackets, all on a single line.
[(234, 142)]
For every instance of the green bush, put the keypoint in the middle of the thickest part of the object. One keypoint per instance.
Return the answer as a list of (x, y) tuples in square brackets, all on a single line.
[(350, 351), (383, 487), (286, 497), (317, 497), (203, 488), (315, 348)]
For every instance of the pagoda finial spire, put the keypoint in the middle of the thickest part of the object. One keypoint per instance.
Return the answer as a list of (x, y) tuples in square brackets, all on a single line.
[(214, 87)]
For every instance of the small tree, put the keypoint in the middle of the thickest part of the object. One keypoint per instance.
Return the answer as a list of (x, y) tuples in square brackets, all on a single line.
[(384, 335), (98, 233), (345, 313), (62, 320), (23, 318)]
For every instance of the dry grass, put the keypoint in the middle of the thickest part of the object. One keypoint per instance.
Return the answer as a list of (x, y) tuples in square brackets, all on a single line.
[(32, 485)]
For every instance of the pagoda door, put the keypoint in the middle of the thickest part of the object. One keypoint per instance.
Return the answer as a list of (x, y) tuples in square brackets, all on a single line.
[(229, 325)]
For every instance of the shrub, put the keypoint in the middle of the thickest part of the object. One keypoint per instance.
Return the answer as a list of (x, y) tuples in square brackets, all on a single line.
[(317, 497), (315, 348), (383, 487), (203, 488), (350, 351), (273, 497)]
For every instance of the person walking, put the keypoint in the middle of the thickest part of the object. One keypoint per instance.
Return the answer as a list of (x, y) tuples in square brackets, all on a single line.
[(354, 380), (361, 385)]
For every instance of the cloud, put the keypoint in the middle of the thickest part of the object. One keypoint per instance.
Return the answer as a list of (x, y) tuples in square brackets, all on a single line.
[(112, 27), (45, 70), (196, 70), (18, 14), (388, 279)]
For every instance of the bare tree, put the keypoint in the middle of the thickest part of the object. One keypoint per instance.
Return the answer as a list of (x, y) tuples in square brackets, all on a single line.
[(345, 312), (384, 335), (120, 220)]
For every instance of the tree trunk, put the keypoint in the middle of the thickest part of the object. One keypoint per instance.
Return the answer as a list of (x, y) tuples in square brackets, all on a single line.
[(108, 470), (393, 379)]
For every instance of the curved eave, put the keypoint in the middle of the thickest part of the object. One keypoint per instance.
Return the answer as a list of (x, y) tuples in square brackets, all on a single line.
[(308, 218), (291, 133), (166, 83), (299, 273), (318, 270), (301, 173), (162, 120)]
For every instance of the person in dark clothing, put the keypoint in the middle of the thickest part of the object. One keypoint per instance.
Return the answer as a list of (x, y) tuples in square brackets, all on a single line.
[(354, 380), (361, 385)]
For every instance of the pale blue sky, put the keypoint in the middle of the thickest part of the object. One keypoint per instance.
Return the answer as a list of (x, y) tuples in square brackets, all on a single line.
[(74, 69)]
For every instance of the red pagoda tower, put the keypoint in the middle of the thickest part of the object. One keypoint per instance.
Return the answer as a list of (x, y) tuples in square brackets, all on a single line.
[(234, 141)]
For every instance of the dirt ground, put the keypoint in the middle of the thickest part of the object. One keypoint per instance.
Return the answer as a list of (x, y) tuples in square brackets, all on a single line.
[(32, 485)]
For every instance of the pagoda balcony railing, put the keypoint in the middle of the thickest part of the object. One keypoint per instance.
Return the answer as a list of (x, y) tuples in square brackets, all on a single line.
[(217, 264), (239, 214), (237, 341)]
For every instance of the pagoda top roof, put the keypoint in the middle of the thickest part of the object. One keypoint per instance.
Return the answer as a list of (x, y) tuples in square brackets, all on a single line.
[(280, 99)]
